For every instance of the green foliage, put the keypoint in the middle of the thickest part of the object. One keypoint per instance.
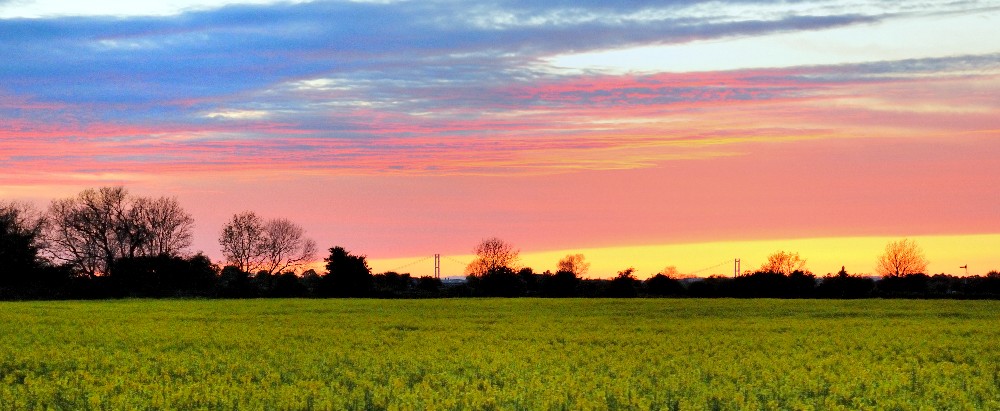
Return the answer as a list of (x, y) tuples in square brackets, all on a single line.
[(500, 354)]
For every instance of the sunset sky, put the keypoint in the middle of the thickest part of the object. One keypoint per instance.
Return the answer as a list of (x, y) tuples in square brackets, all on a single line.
[(644, 134)]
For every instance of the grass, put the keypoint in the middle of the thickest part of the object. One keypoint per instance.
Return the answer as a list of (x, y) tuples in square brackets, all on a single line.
[(500, 354)]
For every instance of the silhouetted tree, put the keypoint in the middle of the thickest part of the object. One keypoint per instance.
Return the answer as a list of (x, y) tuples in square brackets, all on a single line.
[(492, 253), (202, 274), (311, 281), (112, 244), (167, 226), (782, 262), (286, 247), (241, 240), (901, 258), (801, 284), (429, 286), (844, 285), (991, 283), (288, 285), (662, 285), (670, 272), (163, 276), (560, 284), (713, 286), (234, 283), (532, 282), (574, 263), (987, 286), (392, 284), (262, 283), (23, 272), (498, 282), (90, 288), (624, 284), (767, 284), (272, 246), (909, 285), (592, 287), (347, 275), (97, 227), (459, 290), (759, 284), (88, 231)]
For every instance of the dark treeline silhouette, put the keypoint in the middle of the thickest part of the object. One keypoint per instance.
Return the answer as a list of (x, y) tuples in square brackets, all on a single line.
[(503, 282), (106, 243), (348, 275)]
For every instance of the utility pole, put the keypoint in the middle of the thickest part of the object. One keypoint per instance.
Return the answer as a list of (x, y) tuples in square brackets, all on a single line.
[(736, 268), (437, 266)]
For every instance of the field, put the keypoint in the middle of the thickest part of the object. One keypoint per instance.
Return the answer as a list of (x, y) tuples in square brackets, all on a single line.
[(500, 354)]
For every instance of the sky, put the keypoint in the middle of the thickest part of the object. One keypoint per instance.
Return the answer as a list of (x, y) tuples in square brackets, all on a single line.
[(644, 134)]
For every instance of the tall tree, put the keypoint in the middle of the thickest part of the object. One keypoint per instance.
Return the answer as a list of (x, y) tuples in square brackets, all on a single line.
[(241, 240), (97, 227), (670, 271), (782, 262), (286, 246), (624, 284), (168, 225), (253, 245), (492, 254), (573, 263), (347, 275), (901, 258), (20, 241)]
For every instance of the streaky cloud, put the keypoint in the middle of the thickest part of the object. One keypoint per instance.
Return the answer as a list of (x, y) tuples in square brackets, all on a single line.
[(163, 60), (544, 125), (426, 88)]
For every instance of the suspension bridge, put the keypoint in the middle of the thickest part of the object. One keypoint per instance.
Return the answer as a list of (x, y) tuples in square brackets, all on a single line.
[(455, 266)]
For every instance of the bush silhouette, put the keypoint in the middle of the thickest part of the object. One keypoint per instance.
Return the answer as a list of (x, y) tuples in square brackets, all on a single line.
[(661, 285), (560, 284), (844, 285), (497, 282)]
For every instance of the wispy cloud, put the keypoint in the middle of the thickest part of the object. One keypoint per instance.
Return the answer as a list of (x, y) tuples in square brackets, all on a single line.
[(443, 87)]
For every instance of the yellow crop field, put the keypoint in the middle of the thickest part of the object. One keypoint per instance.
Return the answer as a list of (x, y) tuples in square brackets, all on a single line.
[(533, 354)]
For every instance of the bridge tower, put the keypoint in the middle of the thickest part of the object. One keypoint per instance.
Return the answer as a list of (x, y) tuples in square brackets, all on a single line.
[(437, 266)]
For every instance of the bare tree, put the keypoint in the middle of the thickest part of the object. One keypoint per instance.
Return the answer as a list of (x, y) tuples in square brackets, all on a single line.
[(97, 227), (241, 241), (68, 241), (901, 258), (253, 245), (784, 263), (574, 263), (93, 229), (167, 225), (23, 219), (285, 246), (492, 253), (670, 271)]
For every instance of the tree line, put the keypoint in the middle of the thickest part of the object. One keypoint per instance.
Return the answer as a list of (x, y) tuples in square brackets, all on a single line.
[(108, 243), (901, 270)]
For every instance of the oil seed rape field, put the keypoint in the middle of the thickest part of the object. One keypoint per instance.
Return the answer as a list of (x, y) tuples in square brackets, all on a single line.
[(500, 354)]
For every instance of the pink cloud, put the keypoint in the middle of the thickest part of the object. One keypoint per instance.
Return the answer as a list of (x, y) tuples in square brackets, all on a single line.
[(550, 126)]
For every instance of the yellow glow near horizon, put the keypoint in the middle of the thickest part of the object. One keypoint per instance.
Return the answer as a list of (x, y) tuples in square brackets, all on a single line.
[(946, 254)]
